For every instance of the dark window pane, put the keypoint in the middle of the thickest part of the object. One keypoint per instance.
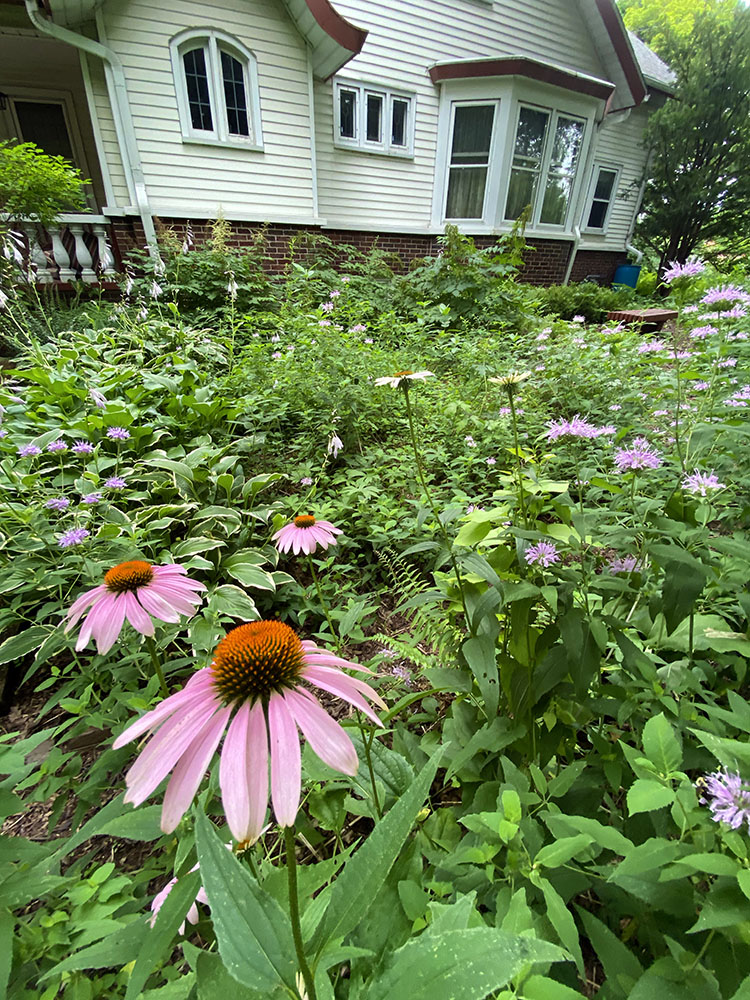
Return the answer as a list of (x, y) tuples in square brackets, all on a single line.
[(472, 134), (44, 124), (568, 135), (398, 125), (347, 114), (556, 197), (604, 184), (374, 117), (597, 215), (532, 128), (466, 193), (520, 192), (197, 88), (234, 95)]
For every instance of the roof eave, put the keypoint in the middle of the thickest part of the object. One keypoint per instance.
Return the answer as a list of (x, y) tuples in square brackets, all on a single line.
[(333, 40)]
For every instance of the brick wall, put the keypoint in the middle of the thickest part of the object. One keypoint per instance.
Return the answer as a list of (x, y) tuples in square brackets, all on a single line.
[(545, 263)]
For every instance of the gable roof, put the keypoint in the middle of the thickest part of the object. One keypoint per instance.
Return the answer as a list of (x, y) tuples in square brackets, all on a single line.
[(656, 72)]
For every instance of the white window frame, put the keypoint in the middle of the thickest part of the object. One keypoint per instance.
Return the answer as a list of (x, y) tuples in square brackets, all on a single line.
[(588, 204), (360, 141), (472, 104), (213, 42), (511, 93)]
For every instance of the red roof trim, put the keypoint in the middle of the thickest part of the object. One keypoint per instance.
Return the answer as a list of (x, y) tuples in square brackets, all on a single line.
[(338, 28), (519, 66), (617, 35)]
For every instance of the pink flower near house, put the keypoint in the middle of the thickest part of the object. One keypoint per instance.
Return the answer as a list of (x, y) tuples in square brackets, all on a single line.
[(689, 269), (255, 686), (304, 534), (135, 590)]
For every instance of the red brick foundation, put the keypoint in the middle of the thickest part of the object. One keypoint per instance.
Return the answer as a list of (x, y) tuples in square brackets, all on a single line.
[(545, 262)]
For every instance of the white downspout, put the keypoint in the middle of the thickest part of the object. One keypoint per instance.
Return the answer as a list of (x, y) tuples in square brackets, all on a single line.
[(130, 153)]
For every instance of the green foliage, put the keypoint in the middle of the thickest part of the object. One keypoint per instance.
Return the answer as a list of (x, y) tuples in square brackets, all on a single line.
[(699, 189), (36, 186), (657, 22), (585, 298)]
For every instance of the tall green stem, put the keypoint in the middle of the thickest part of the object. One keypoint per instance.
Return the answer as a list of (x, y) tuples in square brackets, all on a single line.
[(367, 743), (430, 501), (151, 646), (516, 448), (291, 870), (324, 605)]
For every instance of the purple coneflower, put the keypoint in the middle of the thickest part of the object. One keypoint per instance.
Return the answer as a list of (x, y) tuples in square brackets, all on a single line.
[(58, 503), (702, 483), (134, 590), (728, 797), (304, 534), (29, 451), (257, 677), (73, 537), (543, 553), (115, 483), (402, 378)]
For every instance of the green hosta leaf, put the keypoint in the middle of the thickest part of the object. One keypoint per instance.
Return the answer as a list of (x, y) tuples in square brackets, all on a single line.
[(158, 943), (645, 795), (460, 964), (661, 745), (178, 468), (365, 872), (24, 642), (253, 932), (561, 851), (230, 600), (248, 573)]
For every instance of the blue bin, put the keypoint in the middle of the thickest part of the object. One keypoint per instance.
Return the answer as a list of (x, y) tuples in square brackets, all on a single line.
[(627, 274)]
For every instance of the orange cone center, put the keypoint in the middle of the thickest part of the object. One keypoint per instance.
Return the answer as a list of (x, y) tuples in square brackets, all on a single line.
[(254, 660), (128, 575)]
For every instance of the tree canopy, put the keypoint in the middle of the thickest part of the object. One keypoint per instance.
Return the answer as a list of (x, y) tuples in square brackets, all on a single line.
[(699, 189), (658, 22)]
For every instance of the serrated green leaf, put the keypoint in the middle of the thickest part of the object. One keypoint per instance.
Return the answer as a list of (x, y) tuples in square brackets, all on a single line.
[(660, 744), (561, 851), (645, 796)]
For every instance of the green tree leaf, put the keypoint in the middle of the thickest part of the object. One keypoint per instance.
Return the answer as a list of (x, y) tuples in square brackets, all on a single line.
[(645, 795), (661, 745)]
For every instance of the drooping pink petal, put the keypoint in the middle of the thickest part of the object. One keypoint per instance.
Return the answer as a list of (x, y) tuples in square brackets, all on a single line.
[(96, 619), (243, 773), (164, 749), (137, 616), (284, 537), (323, 658), (327, 673), (343, 687), (195, 689), (78, 606), (328, 527), (286, 761), (111, 627), (175, 600), (189, 771), (156, 605), (329, 741)]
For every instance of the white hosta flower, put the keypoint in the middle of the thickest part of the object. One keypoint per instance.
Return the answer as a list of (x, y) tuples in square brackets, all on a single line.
[(335, 445), (156, 289)]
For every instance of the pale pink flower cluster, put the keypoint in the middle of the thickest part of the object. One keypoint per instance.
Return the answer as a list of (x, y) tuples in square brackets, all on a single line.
[(542, 553), (702, 483), (577, 427), (689, 269)]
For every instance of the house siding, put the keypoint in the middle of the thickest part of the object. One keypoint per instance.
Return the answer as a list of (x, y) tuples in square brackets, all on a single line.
[(372, 191), (203, 179)]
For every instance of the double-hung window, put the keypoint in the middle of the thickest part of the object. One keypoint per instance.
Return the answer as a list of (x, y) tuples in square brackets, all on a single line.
[(546, 152), (471, 142), (217, 89), (601, 195), (373, 119)]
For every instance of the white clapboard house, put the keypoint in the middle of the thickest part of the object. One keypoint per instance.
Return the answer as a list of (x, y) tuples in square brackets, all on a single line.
[(361, 119)]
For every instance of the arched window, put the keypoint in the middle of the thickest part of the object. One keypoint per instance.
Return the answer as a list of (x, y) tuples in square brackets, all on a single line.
[(216, 79)]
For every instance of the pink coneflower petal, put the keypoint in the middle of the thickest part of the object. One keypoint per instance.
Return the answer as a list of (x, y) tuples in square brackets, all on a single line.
[(96, 620), (321, 657), (329, 741), (286, 761), (110, 628), (194, 690), (189, 771), (83, 602), (342, 687), (157, 606), (172, 598), (137, 615), (243, 773)]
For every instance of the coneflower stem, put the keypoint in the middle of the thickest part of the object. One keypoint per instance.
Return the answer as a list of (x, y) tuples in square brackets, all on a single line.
[(367, 743), (291, 870), (334, 634), (517, 449), (151, 646)]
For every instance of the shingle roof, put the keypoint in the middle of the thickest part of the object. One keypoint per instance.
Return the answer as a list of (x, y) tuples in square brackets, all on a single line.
[(655, 71)]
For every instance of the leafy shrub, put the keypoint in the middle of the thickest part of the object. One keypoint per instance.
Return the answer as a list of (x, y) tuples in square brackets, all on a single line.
[(582, 299), (34, 185)]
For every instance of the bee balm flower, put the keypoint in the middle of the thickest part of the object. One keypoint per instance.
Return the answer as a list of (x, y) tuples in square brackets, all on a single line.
[(257, 677), (304, 534), (134, 590)]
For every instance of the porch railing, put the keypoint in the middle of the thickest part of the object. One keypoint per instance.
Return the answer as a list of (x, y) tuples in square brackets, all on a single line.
[(75, 248)]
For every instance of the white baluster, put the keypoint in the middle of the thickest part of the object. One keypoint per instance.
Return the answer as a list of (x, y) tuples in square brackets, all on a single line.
[(83, 254), (41, 268), (62, 258), (106, 260)]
